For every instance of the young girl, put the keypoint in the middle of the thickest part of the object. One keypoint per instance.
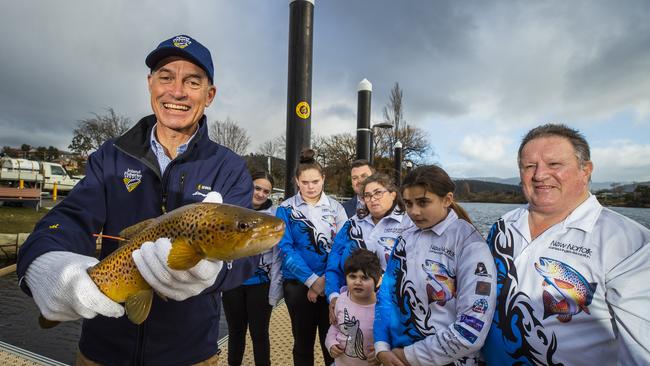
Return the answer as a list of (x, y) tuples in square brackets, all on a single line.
[(437, 296), (349, 340), (312, 220), (376, 228), (249, 305)]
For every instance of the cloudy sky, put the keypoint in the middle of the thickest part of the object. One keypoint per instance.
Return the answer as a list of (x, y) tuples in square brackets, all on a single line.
[(476, 75)]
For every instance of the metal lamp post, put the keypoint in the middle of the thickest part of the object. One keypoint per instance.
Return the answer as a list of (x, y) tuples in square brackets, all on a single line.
[(372, 137)]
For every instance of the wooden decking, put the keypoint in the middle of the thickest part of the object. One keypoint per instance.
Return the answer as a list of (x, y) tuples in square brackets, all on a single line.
[(281, 342), (14, 356), (280, 335)]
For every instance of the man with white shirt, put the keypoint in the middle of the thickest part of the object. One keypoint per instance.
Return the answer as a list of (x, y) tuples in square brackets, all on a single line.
[(572, 275)]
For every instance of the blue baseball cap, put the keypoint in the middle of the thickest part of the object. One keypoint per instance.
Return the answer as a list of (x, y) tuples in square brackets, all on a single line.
[(185, 47)]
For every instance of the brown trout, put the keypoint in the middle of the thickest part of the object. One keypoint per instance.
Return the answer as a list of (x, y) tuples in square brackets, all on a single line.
[(197, 231)]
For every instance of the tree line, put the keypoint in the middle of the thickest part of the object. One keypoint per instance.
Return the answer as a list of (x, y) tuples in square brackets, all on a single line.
[(335, 152)]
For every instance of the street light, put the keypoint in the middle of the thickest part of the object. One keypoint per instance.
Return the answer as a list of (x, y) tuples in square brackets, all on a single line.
[(383, 125)]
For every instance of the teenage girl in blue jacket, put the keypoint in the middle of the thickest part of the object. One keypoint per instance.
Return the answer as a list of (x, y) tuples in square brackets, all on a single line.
[(312, 221)]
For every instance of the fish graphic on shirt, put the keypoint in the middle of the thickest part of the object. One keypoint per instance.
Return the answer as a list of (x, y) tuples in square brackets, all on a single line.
[(387, 243), (441, 284), (574, 289)]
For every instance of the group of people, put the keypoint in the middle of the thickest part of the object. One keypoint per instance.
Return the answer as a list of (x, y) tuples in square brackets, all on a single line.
[(396, 276)]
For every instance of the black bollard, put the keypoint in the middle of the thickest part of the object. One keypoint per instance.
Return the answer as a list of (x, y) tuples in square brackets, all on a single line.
[(301, 32), (364, 134)]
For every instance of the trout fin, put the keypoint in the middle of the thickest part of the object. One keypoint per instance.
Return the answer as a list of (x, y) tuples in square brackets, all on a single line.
[(138, 306), (183, 255), (132, 230), (46, 323)]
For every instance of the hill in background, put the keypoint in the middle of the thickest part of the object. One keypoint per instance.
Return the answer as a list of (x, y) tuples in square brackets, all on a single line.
[(471, 190)]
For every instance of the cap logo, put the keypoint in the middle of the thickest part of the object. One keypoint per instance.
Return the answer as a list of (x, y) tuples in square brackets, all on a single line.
[(181, 42)]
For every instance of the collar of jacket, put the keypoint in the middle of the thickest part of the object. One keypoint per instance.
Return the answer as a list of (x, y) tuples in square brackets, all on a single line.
[(136, 141), (268, 203)]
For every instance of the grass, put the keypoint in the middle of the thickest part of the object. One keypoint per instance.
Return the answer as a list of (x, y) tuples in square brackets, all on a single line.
[(14, 220)]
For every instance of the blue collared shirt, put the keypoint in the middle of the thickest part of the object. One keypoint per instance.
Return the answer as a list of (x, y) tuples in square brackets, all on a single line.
[(159, 151)]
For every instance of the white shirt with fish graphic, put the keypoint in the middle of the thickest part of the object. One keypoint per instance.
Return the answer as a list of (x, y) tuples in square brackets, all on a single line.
[(437, 295), (579, 294)]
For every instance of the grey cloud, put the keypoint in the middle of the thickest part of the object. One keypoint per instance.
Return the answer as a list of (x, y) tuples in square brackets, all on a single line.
[(527, 61)]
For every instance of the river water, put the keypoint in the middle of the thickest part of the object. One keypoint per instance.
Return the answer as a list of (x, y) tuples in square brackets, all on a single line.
[(19, 315)]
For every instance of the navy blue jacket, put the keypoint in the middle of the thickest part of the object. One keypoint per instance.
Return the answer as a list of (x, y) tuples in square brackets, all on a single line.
[(123, 186), (350, 206)]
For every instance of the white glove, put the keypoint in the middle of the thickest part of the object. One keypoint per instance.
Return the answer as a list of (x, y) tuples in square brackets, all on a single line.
[(213, 197), (63, 290), (151, 260)]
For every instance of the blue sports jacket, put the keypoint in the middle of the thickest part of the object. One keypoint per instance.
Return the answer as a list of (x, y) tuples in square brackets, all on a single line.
[(123, 186), (308, 236)]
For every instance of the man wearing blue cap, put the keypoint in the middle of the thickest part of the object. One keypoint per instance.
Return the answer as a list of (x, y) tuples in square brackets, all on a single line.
[(165, 161)]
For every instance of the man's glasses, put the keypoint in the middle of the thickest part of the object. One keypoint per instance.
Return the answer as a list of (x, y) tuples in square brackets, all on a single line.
[(378, 194), (263, 190)]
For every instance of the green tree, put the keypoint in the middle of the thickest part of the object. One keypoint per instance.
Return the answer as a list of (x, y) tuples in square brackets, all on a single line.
[(41, 153), (53, 153)]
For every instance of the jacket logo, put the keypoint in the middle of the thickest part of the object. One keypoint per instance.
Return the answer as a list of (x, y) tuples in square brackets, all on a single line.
[(570, 248), (202, 190), (481, 270), (132, 179)]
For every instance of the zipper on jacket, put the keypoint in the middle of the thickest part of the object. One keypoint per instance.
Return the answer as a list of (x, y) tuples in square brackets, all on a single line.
[(138, 354), (163, 207), (163, 185)]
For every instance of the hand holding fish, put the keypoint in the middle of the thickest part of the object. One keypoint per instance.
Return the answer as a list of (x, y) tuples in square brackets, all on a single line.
[(151, 260), (63, 290), (204, 235)]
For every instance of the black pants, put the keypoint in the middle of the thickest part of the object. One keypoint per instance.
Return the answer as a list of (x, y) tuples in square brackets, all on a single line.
[(306, 317), (248, 306)]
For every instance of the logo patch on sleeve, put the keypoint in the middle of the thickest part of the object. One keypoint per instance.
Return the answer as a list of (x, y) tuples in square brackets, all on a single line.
[(480, 306), (472, 322), (465, 333), (483, 288), (481, 270)]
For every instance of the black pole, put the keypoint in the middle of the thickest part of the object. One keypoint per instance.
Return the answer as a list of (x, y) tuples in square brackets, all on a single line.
[(301, 26), (372, 147), (398, 163), (364, 94)]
